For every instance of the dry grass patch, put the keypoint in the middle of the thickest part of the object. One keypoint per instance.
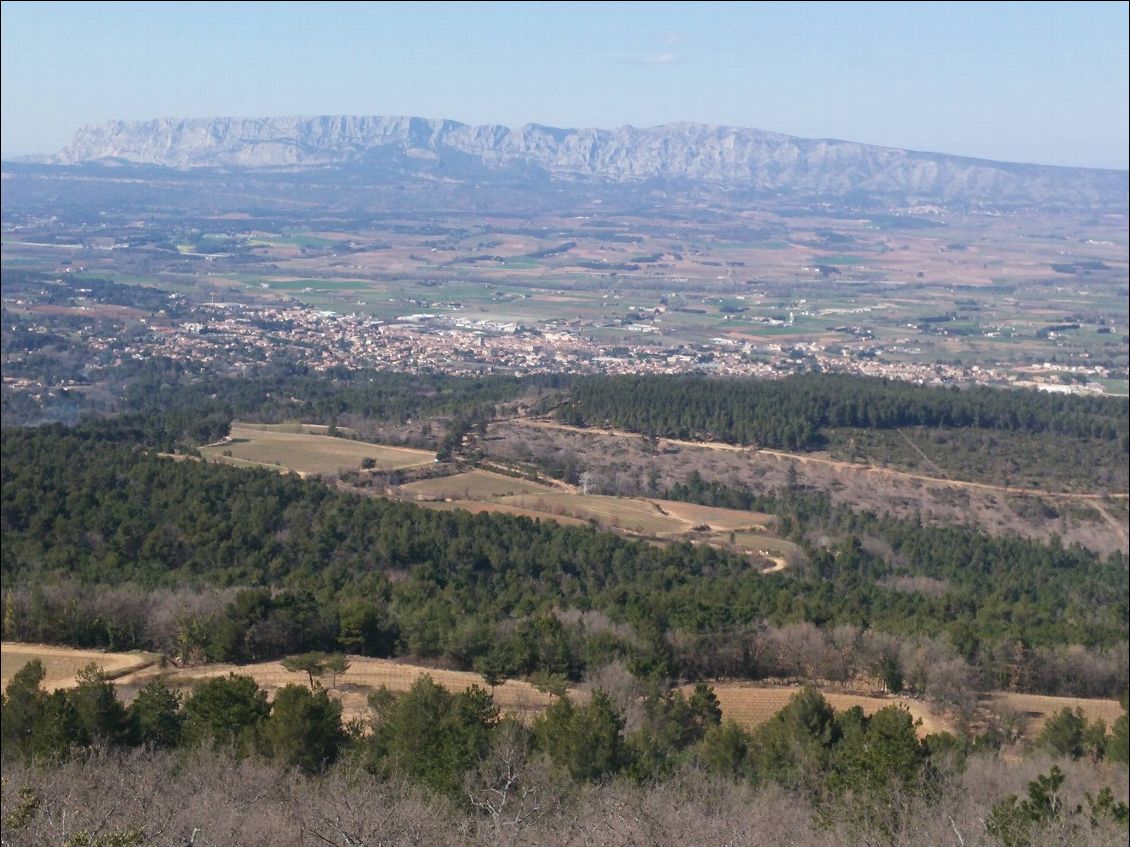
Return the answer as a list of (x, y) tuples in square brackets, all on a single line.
[(718, 519), (626, 513), (1037, 708), (751, 705), (62, 663), (353, 687), (472, 485), (308, 453)]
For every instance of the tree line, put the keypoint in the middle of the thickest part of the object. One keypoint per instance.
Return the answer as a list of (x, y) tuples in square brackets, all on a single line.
[(791, 413)]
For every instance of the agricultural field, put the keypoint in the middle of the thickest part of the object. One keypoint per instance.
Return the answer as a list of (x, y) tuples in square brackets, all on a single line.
[(472, 485), (747, 703), (62, 663), (643, 516), (353, 687), (751, 704), (307, 453), (1035, 709), (1002, 293), (478, 491)]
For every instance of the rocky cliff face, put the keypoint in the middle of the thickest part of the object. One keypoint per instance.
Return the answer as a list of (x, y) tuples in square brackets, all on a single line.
[(724, 157)]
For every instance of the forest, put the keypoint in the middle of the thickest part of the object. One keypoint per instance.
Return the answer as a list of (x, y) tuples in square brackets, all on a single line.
[(118, 535), (792, 413), (316, 568)]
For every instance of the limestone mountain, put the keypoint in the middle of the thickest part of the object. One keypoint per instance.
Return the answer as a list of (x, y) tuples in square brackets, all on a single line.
[(711, 157)]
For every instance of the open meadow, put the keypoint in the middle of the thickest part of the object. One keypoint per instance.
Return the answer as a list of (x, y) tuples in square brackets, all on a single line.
[(751, 704), (308, 453)]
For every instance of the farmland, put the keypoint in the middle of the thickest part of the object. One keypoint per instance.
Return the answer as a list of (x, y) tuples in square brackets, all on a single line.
[(747, 703), (751, 704), (1035, 709), (364, 676), (666, 520), (307, 453), (472, 485), (62, 663)]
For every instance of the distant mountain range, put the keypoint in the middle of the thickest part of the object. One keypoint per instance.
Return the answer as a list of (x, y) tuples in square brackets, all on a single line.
[(710, 157)]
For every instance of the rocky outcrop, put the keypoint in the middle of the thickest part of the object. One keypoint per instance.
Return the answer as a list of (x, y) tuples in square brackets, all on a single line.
[(724, 157)]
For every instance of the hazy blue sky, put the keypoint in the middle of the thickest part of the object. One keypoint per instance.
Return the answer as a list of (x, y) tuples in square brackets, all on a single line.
[(1022, 82)]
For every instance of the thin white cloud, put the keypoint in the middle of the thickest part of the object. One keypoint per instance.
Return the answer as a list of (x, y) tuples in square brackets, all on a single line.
[(674, 38), (665, 58)]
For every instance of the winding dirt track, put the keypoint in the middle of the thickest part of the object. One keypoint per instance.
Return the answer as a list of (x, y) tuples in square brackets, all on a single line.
[(805, 459)]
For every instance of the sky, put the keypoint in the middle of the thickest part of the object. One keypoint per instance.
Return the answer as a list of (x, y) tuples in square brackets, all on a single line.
[(1043, 82)]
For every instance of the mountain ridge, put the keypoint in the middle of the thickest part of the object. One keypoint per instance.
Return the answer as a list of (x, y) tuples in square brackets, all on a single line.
[(718, 157)]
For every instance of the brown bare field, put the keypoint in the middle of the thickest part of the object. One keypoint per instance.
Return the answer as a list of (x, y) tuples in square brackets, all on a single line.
[(307, 453), (472, 485), (646, 516), (364, 676), (751, 705), (1037, 708), (62, 663), (484, 491)]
